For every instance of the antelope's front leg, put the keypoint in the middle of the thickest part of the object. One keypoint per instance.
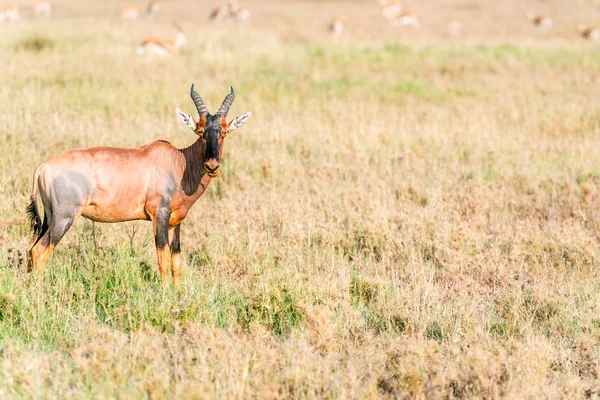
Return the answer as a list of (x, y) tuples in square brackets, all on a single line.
[(176, 261), (161, 238)]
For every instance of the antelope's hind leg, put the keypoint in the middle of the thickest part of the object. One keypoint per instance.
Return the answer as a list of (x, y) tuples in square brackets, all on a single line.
[(48, 240), (36, 240), (63, 198)]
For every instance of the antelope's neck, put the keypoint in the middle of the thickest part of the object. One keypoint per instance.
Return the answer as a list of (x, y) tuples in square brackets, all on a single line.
[(195, 180)]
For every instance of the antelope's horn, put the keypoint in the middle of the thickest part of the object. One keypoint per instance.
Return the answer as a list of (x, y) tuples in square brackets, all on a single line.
[(226, 103), (198, 102)]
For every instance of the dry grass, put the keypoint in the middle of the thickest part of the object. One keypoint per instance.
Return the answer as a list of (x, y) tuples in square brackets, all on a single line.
[(404, 215)]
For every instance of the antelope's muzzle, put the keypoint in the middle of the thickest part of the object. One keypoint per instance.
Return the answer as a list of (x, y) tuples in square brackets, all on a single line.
[(212, 167)]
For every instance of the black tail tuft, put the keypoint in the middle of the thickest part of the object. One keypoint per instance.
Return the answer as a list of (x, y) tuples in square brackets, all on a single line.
[(34, 218)]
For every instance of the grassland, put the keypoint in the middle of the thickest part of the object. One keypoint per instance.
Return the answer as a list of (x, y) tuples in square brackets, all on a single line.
[(405, 215)]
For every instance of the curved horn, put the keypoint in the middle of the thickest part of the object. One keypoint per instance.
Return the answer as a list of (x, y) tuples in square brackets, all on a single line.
[(226, 103), (200, 106)]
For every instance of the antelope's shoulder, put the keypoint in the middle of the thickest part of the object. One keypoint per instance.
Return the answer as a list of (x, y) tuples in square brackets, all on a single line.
[(159, 147)]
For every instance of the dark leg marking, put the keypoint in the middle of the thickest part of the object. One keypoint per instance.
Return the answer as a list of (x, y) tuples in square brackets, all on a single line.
[(161, 239), (176, 260)]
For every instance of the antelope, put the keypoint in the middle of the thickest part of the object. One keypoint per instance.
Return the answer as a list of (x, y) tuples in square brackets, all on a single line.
[(220, 13), (130, 13), (541, 21), (390, 9), (10, 13), (152, 8), (336, 27), (454, 27), (242, 15), (238, 13), (161, 184), (163, 47), (588, 33), (406, 19), (42, 8)]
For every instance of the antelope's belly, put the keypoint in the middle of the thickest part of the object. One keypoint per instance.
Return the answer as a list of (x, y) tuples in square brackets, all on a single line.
[(100, 213), (115, 202), (155, 49)]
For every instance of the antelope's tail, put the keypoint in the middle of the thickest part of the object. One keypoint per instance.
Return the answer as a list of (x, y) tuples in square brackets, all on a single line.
[(34, 218), (32, 212)]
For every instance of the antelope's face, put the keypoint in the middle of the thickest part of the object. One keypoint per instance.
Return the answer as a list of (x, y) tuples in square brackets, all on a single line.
[(212, 130)]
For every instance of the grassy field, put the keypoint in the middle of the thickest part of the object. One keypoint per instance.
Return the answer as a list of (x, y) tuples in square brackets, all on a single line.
[(405, 215)]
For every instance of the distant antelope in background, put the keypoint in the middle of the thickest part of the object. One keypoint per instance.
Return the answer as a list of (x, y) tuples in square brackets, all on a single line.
[(153, 8), (219, 13), (130, 13), (406, 19), (588, 33), (336, 27), (42, 8), (454, 27), (541, 21), (242, 15), (230, 10), (390, 9), (237, 12), (156, 182), (163, 47), (9, 13)]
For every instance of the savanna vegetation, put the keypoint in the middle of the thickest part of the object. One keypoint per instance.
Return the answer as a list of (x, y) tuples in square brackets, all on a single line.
[(405, 215)]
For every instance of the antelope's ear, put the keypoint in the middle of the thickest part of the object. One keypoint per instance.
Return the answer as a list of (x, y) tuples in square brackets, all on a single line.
[(238, 121), (186, 119)]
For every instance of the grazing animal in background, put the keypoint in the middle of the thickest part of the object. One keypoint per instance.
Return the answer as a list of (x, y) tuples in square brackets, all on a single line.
[(219, 13), (156, 182), (130, 13), (153, 8), (163, 47), (454, 27), (42, 8), (231, 10), (336, 27), (588, 33), (541, 21), (233, 6), (237, 12), (390, 9), (9, 13), (242, 15), (406, 19)]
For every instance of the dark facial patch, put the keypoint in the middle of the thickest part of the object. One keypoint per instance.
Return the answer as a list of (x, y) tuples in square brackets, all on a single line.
[(212, 133)]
